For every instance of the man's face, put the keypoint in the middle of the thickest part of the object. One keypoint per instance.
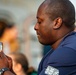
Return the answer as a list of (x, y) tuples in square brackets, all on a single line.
[(44, 27)]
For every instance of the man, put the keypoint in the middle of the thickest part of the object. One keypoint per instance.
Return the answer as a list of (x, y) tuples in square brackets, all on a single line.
[(55, 27)]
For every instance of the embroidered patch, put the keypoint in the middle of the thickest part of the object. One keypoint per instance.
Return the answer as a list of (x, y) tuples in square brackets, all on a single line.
[(51, 71)]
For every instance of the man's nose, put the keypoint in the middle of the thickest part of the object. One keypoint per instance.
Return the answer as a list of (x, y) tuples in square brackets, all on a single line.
[(36, 26)]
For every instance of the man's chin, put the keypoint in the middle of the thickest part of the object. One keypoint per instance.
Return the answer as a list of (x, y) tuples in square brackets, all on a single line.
[(43, 43)]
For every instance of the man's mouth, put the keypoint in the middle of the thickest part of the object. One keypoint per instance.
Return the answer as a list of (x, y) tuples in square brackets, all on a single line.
[(37, 33)]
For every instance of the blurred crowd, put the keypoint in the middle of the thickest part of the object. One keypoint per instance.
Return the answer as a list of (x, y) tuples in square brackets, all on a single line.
[(11, 47), (8, 36)]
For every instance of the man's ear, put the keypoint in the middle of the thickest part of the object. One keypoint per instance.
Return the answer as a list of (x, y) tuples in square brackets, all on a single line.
[(57, 23)]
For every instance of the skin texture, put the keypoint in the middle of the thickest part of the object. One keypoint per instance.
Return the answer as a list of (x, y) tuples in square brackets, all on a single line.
[(50, 32), (8, 73), (42, 28)]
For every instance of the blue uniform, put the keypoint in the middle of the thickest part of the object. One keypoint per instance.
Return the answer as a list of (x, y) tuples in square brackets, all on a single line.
[(61, 61)]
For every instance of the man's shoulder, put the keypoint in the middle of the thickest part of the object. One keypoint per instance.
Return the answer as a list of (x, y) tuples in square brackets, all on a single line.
[(63, 56), (69, 41)]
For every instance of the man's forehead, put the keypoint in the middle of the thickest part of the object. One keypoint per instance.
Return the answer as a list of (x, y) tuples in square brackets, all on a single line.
[(40, 13), (43, 5), (42, 9)]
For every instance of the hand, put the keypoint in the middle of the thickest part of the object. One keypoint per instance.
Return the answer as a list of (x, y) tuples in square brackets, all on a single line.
[(10, 64), (3, 61)]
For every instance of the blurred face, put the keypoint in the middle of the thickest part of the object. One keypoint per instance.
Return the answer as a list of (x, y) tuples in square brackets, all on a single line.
[(13, 33), (44, 27), (14, 63), (16, 67)]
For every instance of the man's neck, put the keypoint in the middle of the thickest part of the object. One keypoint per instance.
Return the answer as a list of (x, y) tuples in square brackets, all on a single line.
[(56, 44), (58, 41)]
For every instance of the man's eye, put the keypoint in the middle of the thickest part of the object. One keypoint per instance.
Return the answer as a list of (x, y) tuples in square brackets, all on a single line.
[(39, 22)]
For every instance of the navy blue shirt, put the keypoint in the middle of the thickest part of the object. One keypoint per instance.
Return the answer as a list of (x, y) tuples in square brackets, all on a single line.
[(61, 61)]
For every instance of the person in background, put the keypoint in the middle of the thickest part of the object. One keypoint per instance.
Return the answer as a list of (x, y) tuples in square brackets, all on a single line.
[(55, 27), (8, 33), (21, 65)]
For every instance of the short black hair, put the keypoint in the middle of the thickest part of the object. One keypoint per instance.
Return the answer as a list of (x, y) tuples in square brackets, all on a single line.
[(63, 9)]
